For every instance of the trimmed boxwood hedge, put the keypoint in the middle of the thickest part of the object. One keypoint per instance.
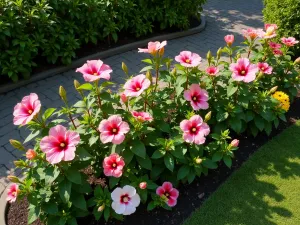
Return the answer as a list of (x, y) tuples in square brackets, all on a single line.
[(286, 14), (56, 28)]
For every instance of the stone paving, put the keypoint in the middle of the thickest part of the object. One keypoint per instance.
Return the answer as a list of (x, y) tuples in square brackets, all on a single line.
[(223, 17)]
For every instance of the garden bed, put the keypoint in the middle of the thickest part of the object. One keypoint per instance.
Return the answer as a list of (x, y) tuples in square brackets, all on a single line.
[(191, 196)]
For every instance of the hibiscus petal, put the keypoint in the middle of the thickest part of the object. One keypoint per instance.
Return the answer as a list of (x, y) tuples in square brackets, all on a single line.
[(174, 193), (172, 202), (135, 200), (129, 190), (168, 186), (185, 125), (54, 157), (118, 207), (129, 210), (106, 137), (116, 194), (160, 191), (69, 153), (58, 131), (187, 95), (124, 128), (73, 137), (118, 139)]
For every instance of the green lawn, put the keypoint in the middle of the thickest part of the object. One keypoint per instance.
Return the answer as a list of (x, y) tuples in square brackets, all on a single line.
[(264, 191)]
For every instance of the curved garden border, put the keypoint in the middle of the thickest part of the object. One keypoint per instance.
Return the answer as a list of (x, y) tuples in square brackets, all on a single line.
[(103, 54)]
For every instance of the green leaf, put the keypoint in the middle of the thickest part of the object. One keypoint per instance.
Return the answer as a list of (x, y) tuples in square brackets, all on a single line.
[(138, 148), (145, 163), (217, 156), (146, 68), (73, 175), (221, 116), (83, 154), (183, 172), (33, 213), (72, 221), (79, 201), (259, 122), (156, 171), (149, 61), (169, 162), (227, 160), (282, 117), (64, 189), (113, 182), (106, 213), (151, 206), (231, 89), (50, 208), (128, 156), (235, 124), (86, 86), (48, 113), (158, 154), (98, 192), (249, 116), (51, 173), (191, 177), (93, 139), (267, 115), (163, 126), (209, 164), (32, 135)]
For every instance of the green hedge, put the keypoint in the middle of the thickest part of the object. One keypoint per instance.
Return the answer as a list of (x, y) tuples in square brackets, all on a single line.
[(286, 14), (54, 29)]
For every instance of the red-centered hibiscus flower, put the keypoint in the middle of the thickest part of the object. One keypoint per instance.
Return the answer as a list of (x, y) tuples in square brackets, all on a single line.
[(94, 70), (243, 70), (113, 165), (136, 85), (188, 59), (197, 96), (169, 193)]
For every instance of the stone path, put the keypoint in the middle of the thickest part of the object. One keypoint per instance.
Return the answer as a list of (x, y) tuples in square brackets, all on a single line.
[(223, 17)]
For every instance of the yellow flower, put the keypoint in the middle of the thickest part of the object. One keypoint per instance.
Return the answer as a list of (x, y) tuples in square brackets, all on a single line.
[(283, 98)]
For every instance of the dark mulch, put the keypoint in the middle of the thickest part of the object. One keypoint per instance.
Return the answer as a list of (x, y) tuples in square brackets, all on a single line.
[(191, 196)]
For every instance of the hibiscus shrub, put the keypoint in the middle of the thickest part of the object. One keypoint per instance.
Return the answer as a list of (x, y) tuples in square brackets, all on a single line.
[(138, 145)]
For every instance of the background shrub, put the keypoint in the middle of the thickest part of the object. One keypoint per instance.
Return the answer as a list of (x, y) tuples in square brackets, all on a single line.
[(286, 14), (56, 28)]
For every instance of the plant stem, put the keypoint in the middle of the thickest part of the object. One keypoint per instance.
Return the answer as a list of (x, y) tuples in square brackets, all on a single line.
[(187, 79), (70, 117)]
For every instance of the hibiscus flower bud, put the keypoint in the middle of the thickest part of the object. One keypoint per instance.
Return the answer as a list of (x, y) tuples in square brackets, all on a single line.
[(123, 97), (297, 61), (143, 185), (31, 154), (238, 56), (20, 164), (174, 72), (198, 161), (124, 68), (273, 90), (76, 84), (148, 75), (161, 52), (235, 143), (101, 208), (219, 52), (209, 57), (62, 93), (16, 144), (207, 117), (13, 179)]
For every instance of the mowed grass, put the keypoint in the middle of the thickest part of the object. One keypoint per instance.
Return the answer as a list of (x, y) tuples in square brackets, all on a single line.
[(264, 191)]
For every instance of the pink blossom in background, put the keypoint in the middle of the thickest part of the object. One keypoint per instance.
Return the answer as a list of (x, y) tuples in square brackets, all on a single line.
[(113, 130), (270, 30), (143, 185), (60, 145), (252, 33), (212, 70), (153, 47), (169, 193), (113, 165), (27, 109), (265, 68), (197, 96), (194, 130), (243, 70), (290, 41), (188, 59), (277, 52), (136, 85), (94, 70), (12, 193), (30, 154), (229, 39), (125, 200), (274, 45), (142, 116), (235, 143)]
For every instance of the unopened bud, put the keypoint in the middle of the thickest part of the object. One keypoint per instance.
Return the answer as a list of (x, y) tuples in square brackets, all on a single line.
[(238, 56), (273, 90), (198, 161), (76, 84), (16, 144), (260, 75), (161, 52), (30, 154), (219, 52), (174, 72), (235, 143), (209, 57), (168, 64), (203, 85), (148, 75), (123, 98), (207, 117), (101, 208), (62, 93), (13, 179), (297, 61), (124, 68), (143, 185)]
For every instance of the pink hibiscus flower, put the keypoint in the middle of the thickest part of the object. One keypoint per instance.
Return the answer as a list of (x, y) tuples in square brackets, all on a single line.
[(12, 193), (60, 145), (229, 39), (274, 45), (125, 200), (113, 165), (265, 68), (243, 70), (212, 70), (94, 70), (188, 59), (27, 109), (169, 193), (136, 85), (270, 31), (252, 33), (153, 47), (142, 116), (290, 41), (194, 130), (113, 130), (197, 96), (277, 52)]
